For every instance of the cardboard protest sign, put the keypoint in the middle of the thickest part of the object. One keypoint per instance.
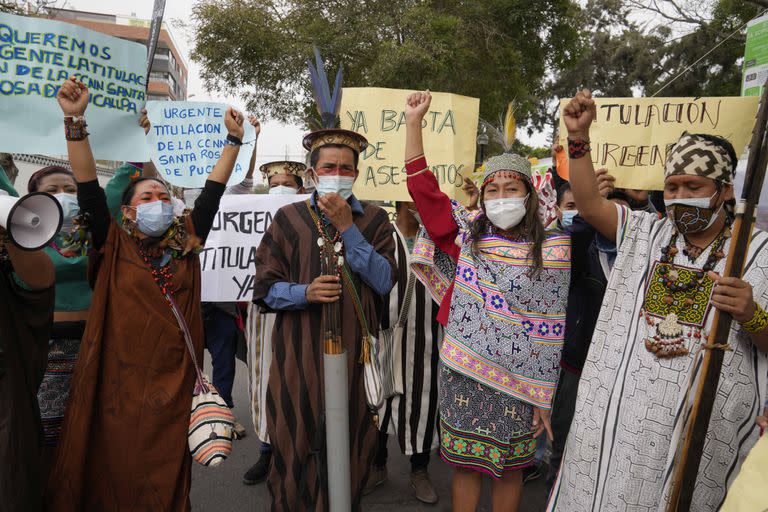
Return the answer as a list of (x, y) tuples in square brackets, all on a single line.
[(186, 140), (449, 128), (228, 261), (632, 136), (37, 56)]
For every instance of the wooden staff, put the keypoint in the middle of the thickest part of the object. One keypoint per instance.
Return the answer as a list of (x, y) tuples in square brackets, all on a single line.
[(687, 468)]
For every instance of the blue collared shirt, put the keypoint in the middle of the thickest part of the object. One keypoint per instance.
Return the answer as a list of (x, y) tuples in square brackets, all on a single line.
[(372, 267)]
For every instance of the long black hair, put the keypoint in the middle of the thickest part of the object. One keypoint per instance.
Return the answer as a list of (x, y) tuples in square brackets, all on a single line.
[(530, 228)]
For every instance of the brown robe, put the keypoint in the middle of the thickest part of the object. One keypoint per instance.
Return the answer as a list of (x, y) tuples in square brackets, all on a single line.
[(25, 327), (289, 252), (123, 444)]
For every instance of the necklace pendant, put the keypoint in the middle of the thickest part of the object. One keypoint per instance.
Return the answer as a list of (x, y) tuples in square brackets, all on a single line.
[(337, 247), (340, 261), (668, 341), (320, 242)]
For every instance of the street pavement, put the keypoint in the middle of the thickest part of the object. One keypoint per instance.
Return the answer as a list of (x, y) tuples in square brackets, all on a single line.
[(221, 489)]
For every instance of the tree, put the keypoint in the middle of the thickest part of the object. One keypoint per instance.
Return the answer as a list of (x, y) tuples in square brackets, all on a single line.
[(496, 50), (29, 8)]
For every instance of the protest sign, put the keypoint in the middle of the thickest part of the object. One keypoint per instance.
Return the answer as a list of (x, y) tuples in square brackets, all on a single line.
[(755, 57), (228, 261), (632, 136), (186, 140), (37, 56), (449, 128)]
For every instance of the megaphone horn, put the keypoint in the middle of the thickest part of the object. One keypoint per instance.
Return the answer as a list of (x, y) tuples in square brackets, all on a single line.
[(30, 221)]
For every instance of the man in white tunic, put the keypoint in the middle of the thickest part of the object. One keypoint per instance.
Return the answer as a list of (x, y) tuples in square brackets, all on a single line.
[(648, 344)]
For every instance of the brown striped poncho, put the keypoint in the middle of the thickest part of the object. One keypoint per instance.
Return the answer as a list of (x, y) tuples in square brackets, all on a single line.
[(294, 405)]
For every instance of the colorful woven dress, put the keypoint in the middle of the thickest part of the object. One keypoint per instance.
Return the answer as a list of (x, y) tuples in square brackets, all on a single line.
[(504, 330)]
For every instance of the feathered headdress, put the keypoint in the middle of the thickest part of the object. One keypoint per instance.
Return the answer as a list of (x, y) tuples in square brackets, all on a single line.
[(328, 104), (505, 133)]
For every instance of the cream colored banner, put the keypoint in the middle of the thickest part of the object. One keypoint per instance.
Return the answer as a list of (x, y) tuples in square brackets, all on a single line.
[(631, 136), (449, 128)]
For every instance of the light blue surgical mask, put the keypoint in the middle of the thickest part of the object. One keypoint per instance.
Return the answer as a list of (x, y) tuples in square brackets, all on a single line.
[(282, 190), (568, 216), (341, 185), (696, 202), (69, 210), (154, 219)]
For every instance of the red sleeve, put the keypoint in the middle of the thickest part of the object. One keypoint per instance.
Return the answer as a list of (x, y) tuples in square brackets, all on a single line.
[(433, 205)]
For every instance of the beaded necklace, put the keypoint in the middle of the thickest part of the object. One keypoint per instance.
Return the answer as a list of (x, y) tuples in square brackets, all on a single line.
[(680, 296), (162, 276)]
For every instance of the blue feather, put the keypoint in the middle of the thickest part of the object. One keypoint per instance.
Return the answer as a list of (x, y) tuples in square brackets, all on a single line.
[(327, 104)]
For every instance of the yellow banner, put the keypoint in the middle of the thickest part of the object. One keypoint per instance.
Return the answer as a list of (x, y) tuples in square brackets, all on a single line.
[(449, 128), (632, 136)]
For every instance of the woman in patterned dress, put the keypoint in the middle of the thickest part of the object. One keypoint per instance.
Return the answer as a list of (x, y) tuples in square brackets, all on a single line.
[(502, 282)]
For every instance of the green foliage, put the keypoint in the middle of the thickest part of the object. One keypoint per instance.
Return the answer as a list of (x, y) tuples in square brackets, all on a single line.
[(495, 50)]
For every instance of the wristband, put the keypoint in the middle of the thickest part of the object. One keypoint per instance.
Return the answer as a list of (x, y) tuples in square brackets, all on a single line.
[(75, 128), (758, 322), (577, 148), (233, 141)]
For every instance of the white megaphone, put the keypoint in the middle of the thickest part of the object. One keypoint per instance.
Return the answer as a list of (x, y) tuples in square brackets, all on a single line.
[(30, 221)]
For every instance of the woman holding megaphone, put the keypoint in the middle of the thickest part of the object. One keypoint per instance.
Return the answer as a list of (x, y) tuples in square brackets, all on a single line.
[(124, 436)]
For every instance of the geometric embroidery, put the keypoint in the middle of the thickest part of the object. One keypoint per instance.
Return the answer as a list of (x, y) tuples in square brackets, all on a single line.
[(656, 292)]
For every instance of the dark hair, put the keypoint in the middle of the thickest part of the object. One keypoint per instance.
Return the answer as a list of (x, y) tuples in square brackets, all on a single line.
[(34, 180), (299, 181), (620, 195), (561, 190), (315, 155), (130, 190), (530, 228)]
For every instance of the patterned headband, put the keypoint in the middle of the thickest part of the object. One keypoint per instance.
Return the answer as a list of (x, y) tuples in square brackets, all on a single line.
[(507, 162), (696, 156)]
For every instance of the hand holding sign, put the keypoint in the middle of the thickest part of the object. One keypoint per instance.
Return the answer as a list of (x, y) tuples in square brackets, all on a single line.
[(73, 97), (579, 114), (605, 182), (144, 121), (253, 121)]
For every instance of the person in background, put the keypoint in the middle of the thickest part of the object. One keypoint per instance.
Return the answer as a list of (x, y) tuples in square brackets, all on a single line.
[(26, 315), (222, 321), (9, 167), (639, 200), (124, 439), (412, 416), (501, 280), (283, 178)]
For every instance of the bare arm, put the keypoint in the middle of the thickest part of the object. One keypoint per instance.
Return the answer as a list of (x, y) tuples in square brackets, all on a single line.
[(223, 168), (34, 268), (257, 127), (594, 208), (417, 106)]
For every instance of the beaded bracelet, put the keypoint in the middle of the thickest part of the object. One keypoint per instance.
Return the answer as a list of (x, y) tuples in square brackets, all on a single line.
[(75, 128), (758, 322), (577, 148)]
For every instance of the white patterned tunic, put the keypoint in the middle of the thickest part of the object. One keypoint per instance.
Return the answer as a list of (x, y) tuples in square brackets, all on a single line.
[(621, 447)]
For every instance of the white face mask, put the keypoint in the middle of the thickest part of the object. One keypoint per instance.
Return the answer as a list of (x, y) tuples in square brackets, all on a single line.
[(282, 190), (507, 212), (341, 185), (696, 202), (69, 209)]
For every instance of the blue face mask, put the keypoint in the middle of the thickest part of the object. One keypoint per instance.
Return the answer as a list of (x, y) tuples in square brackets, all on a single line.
[(69, 210), (568, 216), (154, 219)]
